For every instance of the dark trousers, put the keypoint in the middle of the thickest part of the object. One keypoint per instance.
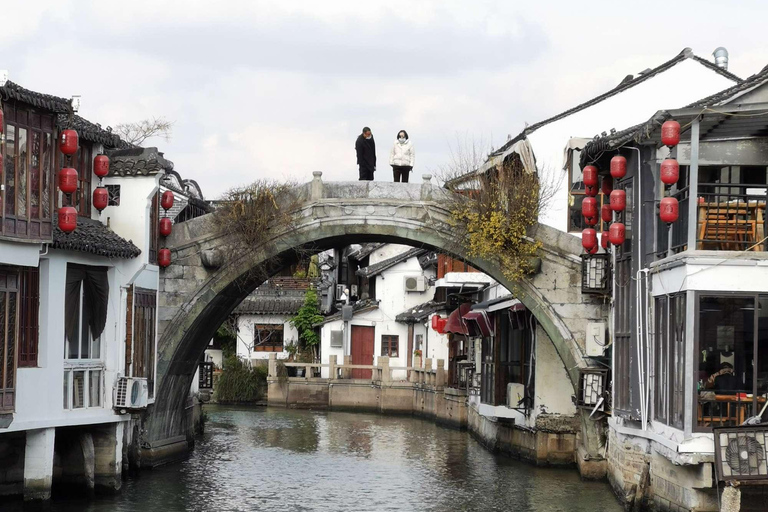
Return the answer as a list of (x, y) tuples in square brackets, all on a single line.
[(401, 173), (366, 174)]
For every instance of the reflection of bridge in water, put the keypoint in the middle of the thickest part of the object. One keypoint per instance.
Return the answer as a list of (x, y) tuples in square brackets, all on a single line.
[(206, 280)]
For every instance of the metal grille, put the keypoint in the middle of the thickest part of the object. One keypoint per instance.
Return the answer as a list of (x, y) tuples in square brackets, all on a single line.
[(592, 388), (596, 273), (741, 453), (205, 378), (121, 391)]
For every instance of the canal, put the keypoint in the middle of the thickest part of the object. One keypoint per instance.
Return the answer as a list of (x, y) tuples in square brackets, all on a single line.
[(289, 460)]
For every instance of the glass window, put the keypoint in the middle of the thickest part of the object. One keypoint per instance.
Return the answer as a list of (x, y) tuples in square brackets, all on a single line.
[(268, 338), (83, 387), (83, 345), (389, 345)]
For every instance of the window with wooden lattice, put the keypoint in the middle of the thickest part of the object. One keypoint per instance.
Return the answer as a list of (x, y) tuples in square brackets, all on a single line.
[(268, 338)]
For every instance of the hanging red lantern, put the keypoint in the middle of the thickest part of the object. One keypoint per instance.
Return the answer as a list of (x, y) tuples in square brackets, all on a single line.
[(606, 213), (166, 200), (618, 200), (670, 171), (68, 180), (68, 142), (100, 198), (604, 240), (164, 257), (101, 165), (165, 226), (591, 221), (618, 167), (670, 133), (616, 233), (591, 190), (589, 175), (669, 210), (589, 207), (589, 239), (607, 185), (67, 219)]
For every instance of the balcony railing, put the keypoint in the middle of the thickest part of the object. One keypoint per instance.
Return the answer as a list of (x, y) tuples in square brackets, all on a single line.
[(731, 217)]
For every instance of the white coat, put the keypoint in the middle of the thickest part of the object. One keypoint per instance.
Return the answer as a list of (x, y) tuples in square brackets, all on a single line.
[(402, 155)]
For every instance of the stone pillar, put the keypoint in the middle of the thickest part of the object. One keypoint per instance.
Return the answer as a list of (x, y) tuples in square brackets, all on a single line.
[(38, 464), (332, 367), (426, 187), (272, 365), (386, 376), (108, 456), (428, 371), (440, 375), (316, 189), (346, 373)]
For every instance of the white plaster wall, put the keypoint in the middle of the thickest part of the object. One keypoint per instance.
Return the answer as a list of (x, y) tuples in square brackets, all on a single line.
[(681, 85), (245, 334), (708, 273), (435, 345), (18, 253)]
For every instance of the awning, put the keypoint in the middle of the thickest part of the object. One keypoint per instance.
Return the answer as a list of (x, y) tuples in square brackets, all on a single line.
[(498, 304), (455, 323), (478, 324)]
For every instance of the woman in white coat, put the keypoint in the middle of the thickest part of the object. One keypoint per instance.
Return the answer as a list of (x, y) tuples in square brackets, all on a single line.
[(402, 157)]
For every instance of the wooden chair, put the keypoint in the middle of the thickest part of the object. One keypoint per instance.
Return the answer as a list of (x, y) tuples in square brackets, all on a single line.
[(726, 226)]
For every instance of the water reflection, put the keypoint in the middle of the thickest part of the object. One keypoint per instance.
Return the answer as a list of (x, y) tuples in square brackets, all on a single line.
[(287, 460)]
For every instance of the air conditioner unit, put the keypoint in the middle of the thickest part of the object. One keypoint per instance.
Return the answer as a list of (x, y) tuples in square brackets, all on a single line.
[(740, 453), (415, 283), (515, 394), (337, 339), (131, 393)]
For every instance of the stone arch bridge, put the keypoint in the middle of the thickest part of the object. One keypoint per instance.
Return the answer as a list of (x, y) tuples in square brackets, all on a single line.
[(205, 281)]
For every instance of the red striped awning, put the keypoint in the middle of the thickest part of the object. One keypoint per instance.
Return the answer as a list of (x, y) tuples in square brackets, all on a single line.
[(456, 323), (479, 324)]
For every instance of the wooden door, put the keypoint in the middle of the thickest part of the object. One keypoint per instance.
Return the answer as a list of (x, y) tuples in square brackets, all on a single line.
[(362, 350)]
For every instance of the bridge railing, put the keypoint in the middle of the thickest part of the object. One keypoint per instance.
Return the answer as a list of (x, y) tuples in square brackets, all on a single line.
[(381, 372)]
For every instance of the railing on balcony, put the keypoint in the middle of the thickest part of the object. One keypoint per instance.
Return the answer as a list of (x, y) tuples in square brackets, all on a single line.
[(731, 217)]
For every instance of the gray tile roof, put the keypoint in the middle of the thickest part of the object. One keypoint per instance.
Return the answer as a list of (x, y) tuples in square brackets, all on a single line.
[(420, 313), (137, 161), (378, 268), (270, 305), (93, 237), (360, 306), (91, 132), (13, 91)]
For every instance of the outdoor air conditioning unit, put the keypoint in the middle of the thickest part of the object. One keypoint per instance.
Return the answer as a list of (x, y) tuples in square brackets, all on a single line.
[(337, 339), (131, 393), (515, 394), (740, 453), (415, 283)]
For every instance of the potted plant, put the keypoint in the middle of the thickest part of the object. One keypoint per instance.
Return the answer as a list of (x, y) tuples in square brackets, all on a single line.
[(417, 358)]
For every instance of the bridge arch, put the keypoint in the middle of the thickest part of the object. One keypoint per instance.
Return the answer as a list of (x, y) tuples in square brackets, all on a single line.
[(206, 281)]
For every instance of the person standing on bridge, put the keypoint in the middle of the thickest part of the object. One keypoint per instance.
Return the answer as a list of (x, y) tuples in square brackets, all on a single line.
[(402, 157), (366, 154)]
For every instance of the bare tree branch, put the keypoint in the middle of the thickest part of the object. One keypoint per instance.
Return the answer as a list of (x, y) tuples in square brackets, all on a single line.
[(138, 132)]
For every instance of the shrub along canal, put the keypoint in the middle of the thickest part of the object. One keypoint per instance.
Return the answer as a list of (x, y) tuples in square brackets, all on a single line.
[(284, 460)]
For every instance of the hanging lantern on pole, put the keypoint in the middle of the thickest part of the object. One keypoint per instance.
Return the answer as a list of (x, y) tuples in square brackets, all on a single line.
[(670, 133), (166, 200), (67, 219), (164, 257), (618, 167), (604, 240), (101, 165), (100, 198), (68, 142), (669, 171), (606, 214), (589, 175), (589, 207), (616, 233), (68, 180), (589, 239), (165, 227), (607, 185), (618, 200), (669, 210)]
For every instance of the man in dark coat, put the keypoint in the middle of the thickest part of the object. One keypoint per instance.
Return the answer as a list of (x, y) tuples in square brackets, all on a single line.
[(366, 154)]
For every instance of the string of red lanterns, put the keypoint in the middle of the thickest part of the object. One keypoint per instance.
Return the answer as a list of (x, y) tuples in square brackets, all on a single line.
[(67, 215), (100, 193), (669, 172), (165, 227)]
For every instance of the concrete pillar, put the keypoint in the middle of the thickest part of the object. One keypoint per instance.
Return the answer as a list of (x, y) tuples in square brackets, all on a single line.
[(272, 372), (386, 375), (108, 456), (346, 373), (440, 375), (38, 464), (316, 189), (426, 187), (332, 367), (428, 371)]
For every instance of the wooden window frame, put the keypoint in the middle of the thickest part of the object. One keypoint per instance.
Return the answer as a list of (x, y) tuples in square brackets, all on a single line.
[(154, 220), (388, 341), (9, 292), (29, 316), (143, 336), (270, 345)]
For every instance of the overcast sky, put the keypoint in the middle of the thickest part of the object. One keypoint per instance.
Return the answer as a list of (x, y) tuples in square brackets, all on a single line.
[(279, 89)]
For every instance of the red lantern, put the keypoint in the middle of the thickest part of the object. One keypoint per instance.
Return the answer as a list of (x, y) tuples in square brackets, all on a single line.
[(607, 186), (164, 257), (589, 207), (670, 171), (68, 180), (616, 233), (591, 190), (165, 226), (101, 165), (589, 239), (68, 142), (604, 240), (618, 200), (67, 219), (618, 167), (670, 133), (591, 221), (166, 200), (606, 213), (589, 175), (669, 210), (100, 198)]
